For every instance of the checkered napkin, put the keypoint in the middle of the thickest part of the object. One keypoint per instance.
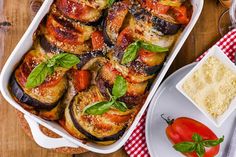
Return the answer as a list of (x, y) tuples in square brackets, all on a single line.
[(136, 145)]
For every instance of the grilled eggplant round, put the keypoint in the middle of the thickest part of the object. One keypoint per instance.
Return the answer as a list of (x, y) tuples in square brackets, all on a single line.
[(65, 31), (165, 24), (84, 58), (65, 47), (44, 97), (77, 10), (105, 128)]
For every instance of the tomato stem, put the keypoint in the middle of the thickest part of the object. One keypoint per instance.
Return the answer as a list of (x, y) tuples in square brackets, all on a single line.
[(168, 120)]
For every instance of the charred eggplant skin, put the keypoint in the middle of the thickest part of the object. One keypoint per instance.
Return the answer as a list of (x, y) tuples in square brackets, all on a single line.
[(160, 24), (47, 46), (167, 28), (149, 70), (18, 92), (107, 39), (90, 136), (84, 58)]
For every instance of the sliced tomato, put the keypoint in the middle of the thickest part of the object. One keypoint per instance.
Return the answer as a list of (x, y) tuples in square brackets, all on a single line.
[(97, 40), (117, 118), (181, 14), (155, 6), (151, 58), (81, 79), (125, 38)]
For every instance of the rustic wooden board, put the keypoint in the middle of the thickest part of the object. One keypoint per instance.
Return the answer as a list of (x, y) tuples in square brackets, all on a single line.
[(13, 141)]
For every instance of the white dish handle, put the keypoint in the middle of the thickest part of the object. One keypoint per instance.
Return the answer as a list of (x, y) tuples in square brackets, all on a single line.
[(44, 141)]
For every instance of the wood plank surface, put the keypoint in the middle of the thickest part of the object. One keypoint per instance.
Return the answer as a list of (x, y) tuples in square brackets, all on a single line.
[(13, 141)]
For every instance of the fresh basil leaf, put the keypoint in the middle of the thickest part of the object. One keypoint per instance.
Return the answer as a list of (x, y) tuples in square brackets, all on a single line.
[(200, 150), (67, 60), (212, 143), (185, 147), (50, 70), (98, 108), (37, 76), (51, 63), (196, 137), (110, 2), (120, 87), (120, 106), (153, 48), (130, 53)]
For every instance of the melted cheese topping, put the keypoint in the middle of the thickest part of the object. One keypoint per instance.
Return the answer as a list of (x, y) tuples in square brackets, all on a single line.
[(212, 86)]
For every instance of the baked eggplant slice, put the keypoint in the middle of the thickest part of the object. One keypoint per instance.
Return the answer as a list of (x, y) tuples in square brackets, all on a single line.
[(65, 47), (136, 94), (105, 128), (140, 67), (84, 58), (108, 73), (113, 68), (144, 31), (165, 24), (148, 62), (67, 32), (114, 21), (77, 10), (22, 97), (47, 95)]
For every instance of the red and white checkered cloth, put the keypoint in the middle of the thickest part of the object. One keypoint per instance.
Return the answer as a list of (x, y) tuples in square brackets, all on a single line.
[(136, 145)]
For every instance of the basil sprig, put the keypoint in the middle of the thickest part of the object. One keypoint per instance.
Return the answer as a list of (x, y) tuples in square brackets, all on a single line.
[(131, 51), (118, 90), (110, 2), (41, 71), (198, 145)]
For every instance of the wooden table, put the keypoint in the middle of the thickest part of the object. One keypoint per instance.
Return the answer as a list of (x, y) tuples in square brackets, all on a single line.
[(13, 141)]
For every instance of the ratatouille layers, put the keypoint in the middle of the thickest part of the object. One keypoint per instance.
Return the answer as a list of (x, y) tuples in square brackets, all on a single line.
[(92, 63)]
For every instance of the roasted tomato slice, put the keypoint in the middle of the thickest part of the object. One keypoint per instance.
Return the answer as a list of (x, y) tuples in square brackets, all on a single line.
[(96, 4), (76, 10), (81, 79), (181, 14), (65, 31), (125, 38), (154, 6), (151, 58), (97, 40)]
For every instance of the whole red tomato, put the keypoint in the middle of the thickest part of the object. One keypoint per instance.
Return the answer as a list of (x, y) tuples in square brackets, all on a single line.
[(192, 138)]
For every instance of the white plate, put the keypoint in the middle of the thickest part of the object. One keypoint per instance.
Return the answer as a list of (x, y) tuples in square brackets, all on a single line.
[(171, 102)]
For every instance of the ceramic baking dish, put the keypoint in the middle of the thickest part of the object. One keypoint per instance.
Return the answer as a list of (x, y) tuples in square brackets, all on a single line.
[(67, 140)]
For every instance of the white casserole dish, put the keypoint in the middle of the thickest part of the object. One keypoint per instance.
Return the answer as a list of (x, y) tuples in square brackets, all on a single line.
[(67, 140)]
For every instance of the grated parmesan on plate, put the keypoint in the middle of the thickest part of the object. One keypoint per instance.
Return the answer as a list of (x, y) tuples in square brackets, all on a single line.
[(212, 86)]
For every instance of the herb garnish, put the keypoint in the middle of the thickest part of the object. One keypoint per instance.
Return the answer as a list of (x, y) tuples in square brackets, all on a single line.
[(41, 71), (198, 145), (110, 2), (119, 89), (131, 51)]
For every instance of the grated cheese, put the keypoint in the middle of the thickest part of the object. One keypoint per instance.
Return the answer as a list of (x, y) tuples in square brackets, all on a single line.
[(212, 86)]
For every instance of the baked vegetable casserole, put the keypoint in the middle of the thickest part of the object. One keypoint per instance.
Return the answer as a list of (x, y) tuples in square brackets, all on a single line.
[(92, 63)]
